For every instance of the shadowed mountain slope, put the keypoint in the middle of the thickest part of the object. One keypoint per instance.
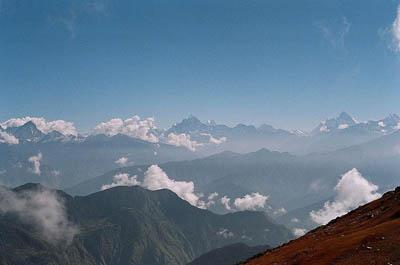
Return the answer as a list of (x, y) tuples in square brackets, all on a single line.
[(228, 255), (131, 225)]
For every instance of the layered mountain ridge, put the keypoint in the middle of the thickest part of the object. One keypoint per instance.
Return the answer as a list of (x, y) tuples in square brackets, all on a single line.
[(201, 131), (129, 225)]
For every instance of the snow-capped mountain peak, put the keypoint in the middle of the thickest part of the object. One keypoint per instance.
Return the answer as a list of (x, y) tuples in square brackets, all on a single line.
[(343, 121), (190, 124)]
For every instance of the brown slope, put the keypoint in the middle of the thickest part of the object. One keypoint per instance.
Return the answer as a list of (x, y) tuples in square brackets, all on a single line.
[(367, 235)]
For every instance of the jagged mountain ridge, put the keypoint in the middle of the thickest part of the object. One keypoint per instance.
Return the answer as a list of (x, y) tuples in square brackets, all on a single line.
[(28, 132), (131, 225), (78, 158), (75, 158)]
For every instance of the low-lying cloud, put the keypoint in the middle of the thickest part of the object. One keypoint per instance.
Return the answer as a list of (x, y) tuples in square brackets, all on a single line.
[(122, 161), (134, 127), (226, 202), (250, 202), (211, 199), (43, 209), (122, 179), (215, 140), (7, 138), (298, 232), (35, 160), (155, 179), (61, 126), (352, 191), (279, 212), (225, 233), (182, 140)]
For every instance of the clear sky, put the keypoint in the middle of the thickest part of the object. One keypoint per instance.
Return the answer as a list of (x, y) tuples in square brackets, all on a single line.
[(286, 63)]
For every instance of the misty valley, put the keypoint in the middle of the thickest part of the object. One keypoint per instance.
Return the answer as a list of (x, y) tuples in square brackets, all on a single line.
[(128, 194)]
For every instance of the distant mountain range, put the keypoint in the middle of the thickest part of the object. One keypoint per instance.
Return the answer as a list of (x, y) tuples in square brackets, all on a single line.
[(120, 226), (211, 136), (335, 146), (329, 135), (76, 158), (367, 235), (231, 165)]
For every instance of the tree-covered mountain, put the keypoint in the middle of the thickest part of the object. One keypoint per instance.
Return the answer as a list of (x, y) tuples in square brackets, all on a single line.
[(123, 225)]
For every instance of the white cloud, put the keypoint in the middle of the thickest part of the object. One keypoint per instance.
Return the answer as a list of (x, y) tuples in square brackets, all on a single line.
[(225, 233), (212, 196), (210, 200), (279, 212), (122, 161), (323, 128), (396, 30), (43, 209), (352, 191), (250, 202), (7, 138), (217, 141), (335, 31), (246, 237), (343, 126), (381, 124), (61, 126), (35, 160), (182, 140), (225, 201), (298, 232), (294, 220), (391, 34), (155, 179), (214, 140), (122, 179), (133, 127)]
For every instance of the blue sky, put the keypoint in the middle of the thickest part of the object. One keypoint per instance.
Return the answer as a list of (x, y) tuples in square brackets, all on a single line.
[(286, 63)]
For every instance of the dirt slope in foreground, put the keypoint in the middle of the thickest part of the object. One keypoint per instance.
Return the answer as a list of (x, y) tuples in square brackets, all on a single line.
[(367, 235)]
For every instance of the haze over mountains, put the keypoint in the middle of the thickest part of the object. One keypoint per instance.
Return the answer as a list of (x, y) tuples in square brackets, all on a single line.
[(120, 152), (215, 174), (67, 158), (193, 134), (269, 165)]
